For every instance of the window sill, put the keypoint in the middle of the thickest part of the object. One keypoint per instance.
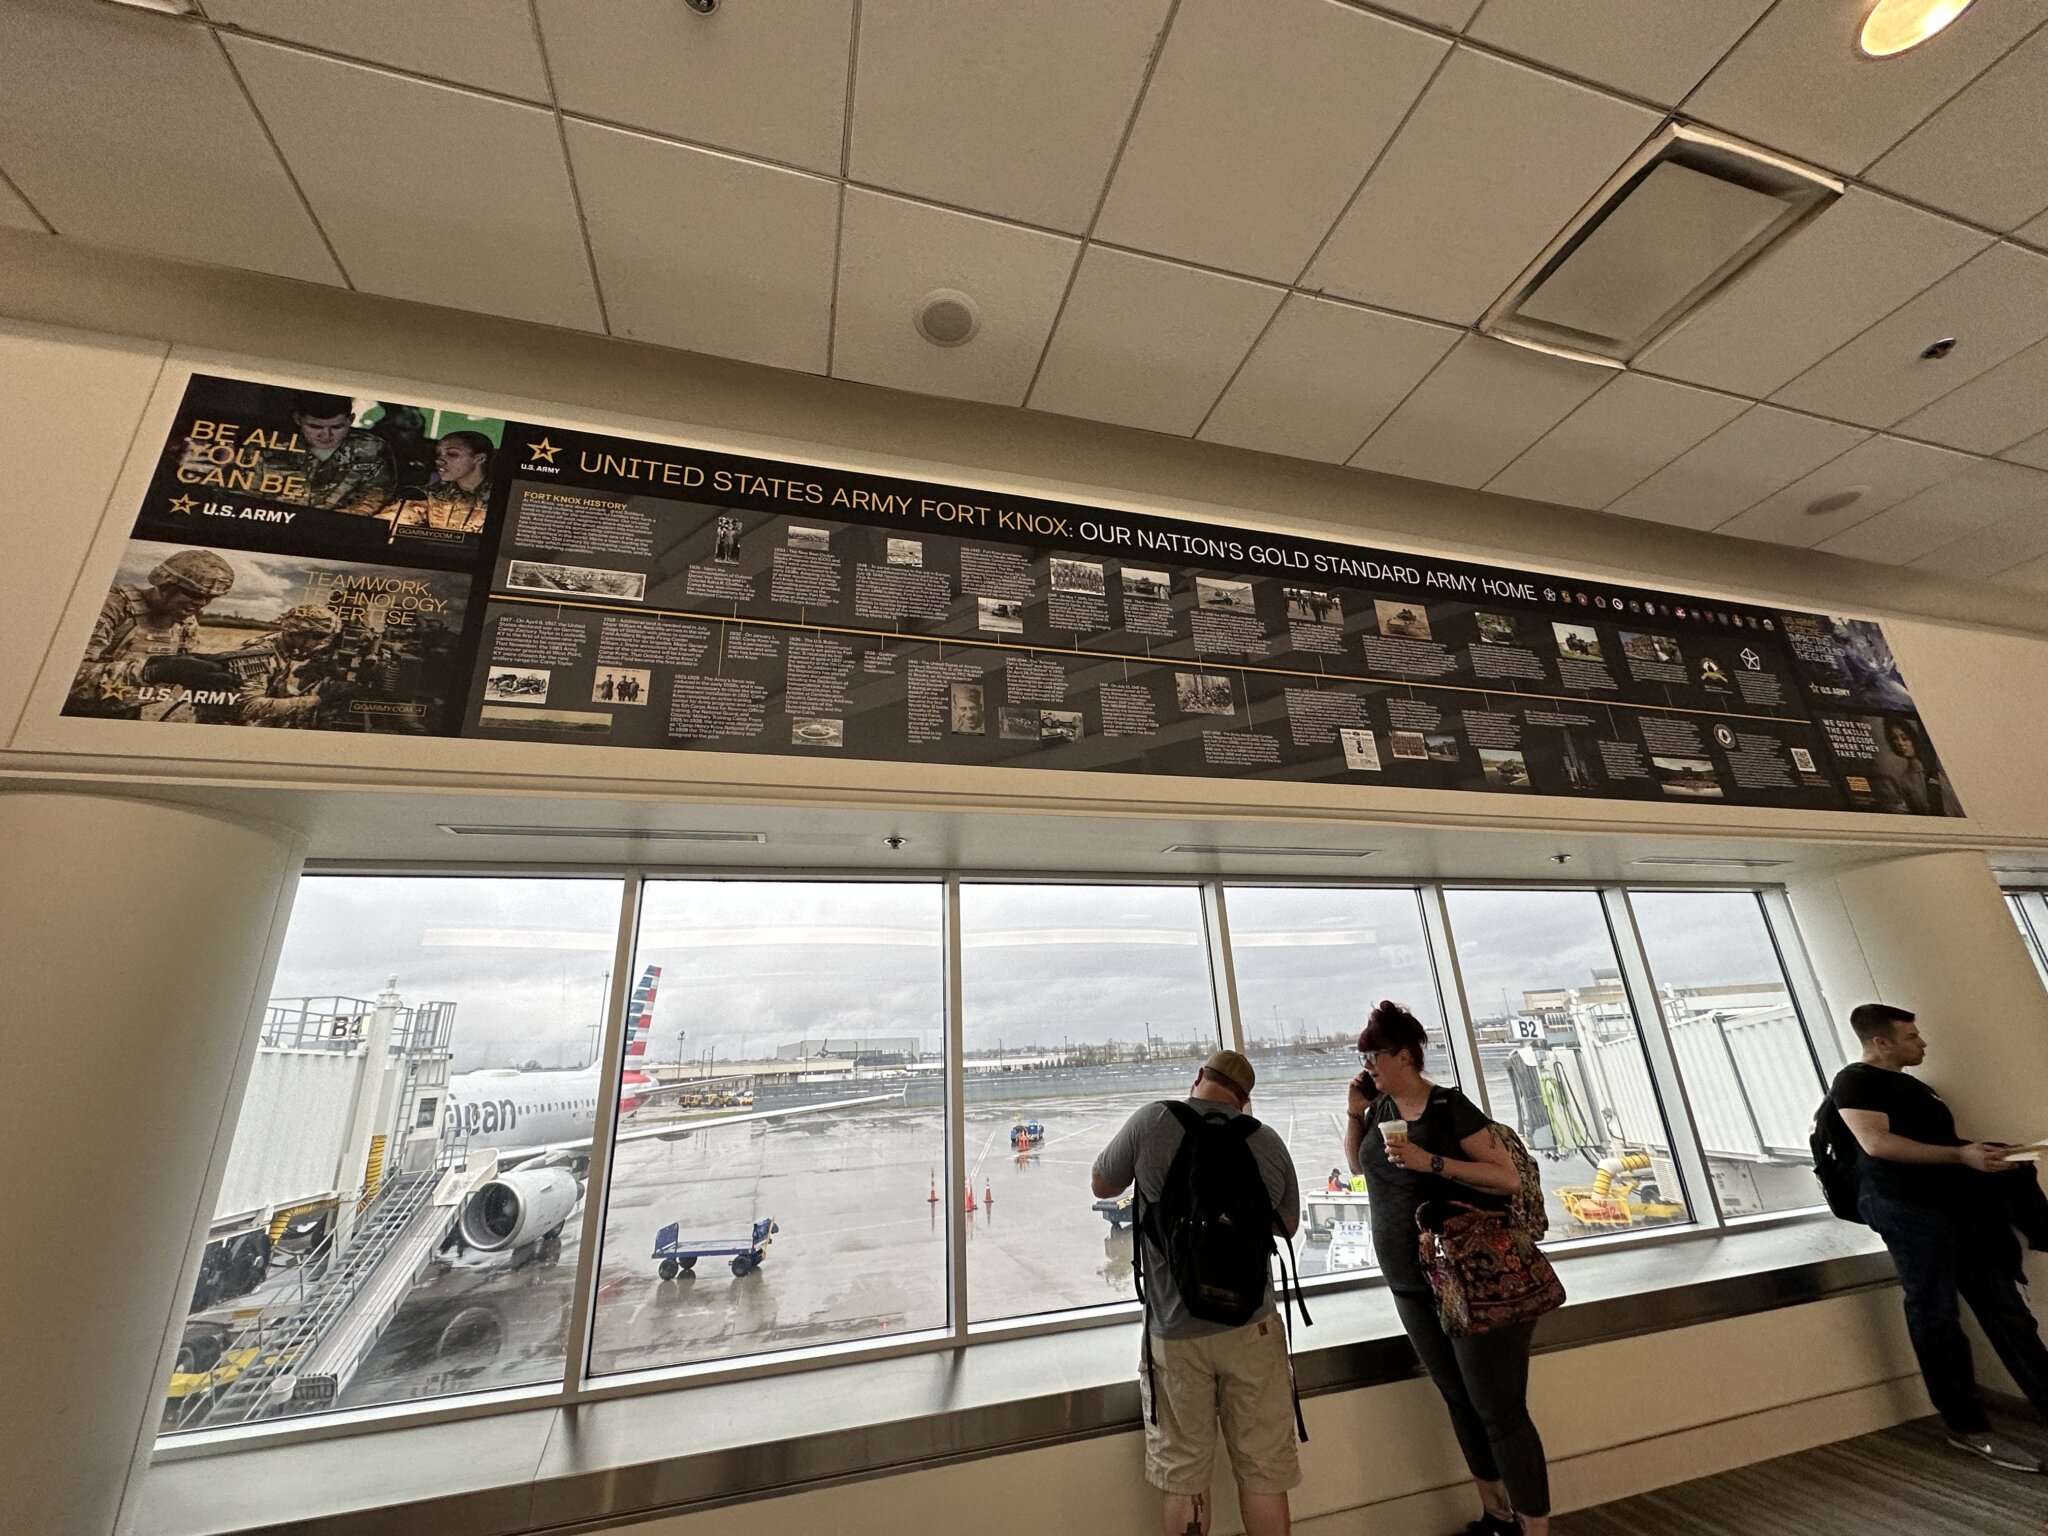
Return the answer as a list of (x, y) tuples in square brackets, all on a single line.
[(511, 1468)]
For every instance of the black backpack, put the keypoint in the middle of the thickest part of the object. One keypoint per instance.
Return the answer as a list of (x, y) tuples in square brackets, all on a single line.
[(1215, 1223), (1837, 1160)]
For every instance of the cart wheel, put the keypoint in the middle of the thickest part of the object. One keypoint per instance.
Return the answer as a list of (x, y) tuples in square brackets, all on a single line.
[(689, 1269), (669, 1269), (742, 1265)]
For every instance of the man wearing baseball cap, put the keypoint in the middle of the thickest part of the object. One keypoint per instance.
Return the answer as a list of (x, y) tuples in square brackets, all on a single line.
[(1200, 1371)]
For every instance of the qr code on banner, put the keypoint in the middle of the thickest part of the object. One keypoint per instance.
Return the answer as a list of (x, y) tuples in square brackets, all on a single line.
[(1802, 760)]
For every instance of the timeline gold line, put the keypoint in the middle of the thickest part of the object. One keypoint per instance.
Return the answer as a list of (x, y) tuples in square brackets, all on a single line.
[(1265, 669)]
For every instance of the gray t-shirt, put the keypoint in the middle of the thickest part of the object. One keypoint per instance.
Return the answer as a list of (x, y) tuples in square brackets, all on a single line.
[(1143, 1150)]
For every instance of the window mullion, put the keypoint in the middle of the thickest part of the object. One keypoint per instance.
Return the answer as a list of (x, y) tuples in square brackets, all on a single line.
[(956, 1121), (1222, 967), (611, 1064), (1654, 1030), (1462, 1037)]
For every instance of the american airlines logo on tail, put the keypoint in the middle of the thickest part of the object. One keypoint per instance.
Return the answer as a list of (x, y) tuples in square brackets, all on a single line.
[(640, 1012)]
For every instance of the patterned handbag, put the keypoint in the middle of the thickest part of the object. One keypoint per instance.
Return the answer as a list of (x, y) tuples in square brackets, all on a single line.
[(1483, 1265)]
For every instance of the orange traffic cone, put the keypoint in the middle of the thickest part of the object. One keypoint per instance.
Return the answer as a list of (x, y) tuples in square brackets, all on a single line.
[(970, 1197), (988, 1197), (933, 1198)]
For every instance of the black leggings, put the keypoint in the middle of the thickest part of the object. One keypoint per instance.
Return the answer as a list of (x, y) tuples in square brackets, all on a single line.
[(1484, 1380)]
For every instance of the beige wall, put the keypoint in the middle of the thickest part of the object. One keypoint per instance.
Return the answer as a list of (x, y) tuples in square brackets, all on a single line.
[(1617, 1419)]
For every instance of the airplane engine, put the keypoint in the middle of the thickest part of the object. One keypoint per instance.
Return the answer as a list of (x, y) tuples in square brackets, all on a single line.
[(518, 1208)]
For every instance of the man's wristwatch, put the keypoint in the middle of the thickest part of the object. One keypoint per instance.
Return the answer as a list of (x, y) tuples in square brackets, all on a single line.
[(1436, 1162)]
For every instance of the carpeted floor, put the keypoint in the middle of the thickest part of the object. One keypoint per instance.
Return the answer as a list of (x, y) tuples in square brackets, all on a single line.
[(1906, 1480)]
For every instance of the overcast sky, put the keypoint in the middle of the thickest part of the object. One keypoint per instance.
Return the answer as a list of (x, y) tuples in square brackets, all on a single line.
[(750, 965)]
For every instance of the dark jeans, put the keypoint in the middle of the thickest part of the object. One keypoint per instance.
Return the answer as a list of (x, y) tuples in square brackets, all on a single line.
[(1484, 1380), (1945, 1255)]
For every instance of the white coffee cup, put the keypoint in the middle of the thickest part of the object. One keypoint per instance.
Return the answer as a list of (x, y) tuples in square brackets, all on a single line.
[(1392, 1131)]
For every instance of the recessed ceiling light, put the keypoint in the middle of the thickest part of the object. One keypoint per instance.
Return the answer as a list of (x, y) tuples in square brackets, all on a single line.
[(1847, 496), (161, 7), (1896, 25), (1935, 351), (946, 317)]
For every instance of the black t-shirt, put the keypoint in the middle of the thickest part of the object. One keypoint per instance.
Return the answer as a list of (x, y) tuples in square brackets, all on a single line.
[(1446, 1120), (1916, 1112)]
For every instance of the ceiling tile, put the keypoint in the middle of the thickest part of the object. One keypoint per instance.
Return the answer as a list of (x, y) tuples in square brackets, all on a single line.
[(1257, 126), (1009, 109), (487, 43), (1654, 50), (1994, 306), (1757, 453), (1448, 14), (1617, 439), (1886, 470), (503, 240), (1798, 84), (16, 214), (1996, 547), (1998, 409), (706, 251), (2031, 575), (128, 129), (1467, 421), (892, 253), (1859, 260), (1493, 162), (1984, 155), (2033, 451), (1147, 343), (766, 80), (1985, 494), (1323, 377)]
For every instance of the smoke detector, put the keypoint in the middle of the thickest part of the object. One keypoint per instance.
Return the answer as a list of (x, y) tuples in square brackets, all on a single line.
[(946, 317), (1689, 212)]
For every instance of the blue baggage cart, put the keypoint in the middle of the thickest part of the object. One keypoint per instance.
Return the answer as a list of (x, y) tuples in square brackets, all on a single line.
[(679, 1254)]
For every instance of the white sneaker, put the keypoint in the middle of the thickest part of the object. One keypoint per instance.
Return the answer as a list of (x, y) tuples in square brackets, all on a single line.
[(1998, 1450)]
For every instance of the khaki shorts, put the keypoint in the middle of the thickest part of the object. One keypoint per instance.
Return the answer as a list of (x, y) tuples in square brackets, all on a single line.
[(1239, 1377)]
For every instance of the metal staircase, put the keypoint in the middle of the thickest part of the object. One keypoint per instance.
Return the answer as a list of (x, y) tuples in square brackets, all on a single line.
[(292, 1337)]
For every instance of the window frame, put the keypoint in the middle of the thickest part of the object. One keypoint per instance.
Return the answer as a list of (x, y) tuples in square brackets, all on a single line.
[(578, 1385)]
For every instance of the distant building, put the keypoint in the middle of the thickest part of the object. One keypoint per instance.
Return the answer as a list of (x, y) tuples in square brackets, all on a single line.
[(885, 1049)]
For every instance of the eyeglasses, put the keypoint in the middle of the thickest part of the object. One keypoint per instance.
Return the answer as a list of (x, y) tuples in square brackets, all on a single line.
[(1369, 1057)]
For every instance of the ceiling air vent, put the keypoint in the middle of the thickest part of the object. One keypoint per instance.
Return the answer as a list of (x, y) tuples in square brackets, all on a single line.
[(1252, 848), (1688, 213), (1681, 861), (651, 834)]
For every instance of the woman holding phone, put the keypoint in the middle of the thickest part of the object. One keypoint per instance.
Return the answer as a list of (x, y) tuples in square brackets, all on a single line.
[(1416, 1141)]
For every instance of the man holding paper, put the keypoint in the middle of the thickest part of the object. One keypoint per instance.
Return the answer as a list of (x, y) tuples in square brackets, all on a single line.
[(1929, 1195)]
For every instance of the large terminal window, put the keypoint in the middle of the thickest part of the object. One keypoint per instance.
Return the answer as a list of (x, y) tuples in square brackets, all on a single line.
[(853, 1116), (1310, 962), (782, 1120), (2030, 911), (1562, 1056), (1751, 1076), (1080, 1003), (423, 1030)]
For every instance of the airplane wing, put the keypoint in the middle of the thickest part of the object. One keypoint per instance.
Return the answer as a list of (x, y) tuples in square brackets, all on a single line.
[(674, 1129)]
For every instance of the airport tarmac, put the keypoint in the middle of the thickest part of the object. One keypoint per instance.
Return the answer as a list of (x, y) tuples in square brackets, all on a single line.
[(861, 1248)]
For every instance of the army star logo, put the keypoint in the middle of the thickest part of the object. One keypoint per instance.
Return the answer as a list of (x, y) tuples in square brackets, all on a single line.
[(183, 504), (542, 452)]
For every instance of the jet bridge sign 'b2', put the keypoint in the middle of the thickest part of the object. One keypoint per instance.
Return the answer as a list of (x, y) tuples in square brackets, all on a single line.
[(416, 570)]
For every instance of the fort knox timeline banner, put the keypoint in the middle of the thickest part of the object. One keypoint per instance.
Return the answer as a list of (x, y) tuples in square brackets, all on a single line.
[(324, 562)]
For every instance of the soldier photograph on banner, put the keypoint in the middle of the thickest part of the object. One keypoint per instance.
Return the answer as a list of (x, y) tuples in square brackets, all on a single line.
[(238, 637), (314, 472)]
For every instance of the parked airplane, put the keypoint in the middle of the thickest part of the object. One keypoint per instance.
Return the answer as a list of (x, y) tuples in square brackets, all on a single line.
[(538, 1128)]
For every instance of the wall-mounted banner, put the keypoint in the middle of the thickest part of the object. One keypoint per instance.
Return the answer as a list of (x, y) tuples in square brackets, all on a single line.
[(643, 595)]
